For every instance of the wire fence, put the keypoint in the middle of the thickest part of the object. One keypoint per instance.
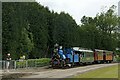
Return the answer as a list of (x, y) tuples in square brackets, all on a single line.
[(17, 64)]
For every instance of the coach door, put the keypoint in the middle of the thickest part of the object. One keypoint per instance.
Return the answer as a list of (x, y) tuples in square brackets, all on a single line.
[(104, 56)]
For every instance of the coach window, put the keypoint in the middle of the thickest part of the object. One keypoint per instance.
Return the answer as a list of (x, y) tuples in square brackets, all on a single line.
[(83, 55), (89, 54), (76, 52)]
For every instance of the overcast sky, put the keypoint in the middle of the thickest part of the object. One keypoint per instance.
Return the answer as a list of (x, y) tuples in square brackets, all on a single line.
[(78, 8)]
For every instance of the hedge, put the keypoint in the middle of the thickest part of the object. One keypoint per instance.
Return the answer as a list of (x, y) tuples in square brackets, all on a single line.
[(33, 63)]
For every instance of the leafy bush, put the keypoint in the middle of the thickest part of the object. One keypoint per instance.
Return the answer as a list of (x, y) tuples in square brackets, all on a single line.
[(118, 59), (21, 64), (33, 63), (39, 62)]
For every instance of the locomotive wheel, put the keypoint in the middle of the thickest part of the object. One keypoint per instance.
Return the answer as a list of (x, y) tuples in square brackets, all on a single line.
[(62, 64), (55, 63), (69, 65)]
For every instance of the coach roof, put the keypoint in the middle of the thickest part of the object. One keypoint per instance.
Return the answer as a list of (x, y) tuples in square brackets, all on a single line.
[(102, 50), (81, 49)]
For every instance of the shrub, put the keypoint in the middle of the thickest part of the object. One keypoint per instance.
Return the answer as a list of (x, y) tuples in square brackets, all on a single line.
[(118, 59), (33, 63)]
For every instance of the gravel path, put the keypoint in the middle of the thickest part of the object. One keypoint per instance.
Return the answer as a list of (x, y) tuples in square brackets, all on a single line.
[(16, 73), (66, 73)]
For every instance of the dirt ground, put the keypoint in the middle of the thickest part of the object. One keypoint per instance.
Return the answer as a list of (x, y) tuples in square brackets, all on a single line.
[(46, 72)]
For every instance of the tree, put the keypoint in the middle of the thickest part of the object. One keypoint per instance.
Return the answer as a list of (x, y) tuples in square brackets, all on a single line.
[(64, 30)]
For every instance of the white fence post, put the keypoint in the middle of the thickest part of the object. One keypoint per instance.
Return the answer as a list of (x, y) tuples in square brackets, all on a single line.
[(4, 64), (15, 64), (26, 64)]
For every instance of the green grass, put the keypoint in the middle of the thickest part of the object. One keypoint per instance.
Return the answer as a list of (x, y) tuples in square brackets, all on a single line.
[(106, 72)]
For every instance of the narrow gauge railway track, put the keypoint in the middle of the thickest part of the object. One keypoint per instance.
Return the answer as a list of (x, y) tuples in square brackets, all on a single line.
[(43, 69), (47, 72), (64, 73)]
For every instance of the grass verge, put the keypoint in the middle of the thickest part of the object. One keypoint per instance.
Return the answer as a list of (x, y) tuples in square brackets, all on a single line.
[(106, 72)]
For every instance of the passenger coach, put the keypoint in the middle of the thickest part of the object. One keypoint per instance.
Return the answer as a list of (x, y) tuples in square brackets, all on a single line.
[(85, 55), (101, 56)]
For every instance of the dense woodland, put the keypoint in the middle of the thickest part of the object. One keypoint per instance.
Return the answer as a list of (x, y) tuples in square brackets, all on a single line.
[(32, 30)]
